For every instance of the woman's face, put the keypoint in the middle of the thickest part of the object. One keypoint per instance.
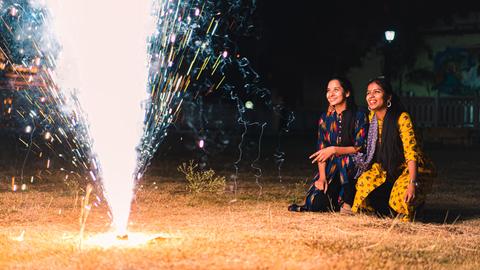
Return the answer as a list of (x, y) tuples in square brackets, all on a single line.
[(335, 93), (376, 99)]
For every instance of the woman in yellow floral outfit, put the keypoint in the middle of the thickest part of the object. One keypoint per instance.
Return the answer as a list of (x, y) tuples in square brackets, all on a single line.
[(387, 182)]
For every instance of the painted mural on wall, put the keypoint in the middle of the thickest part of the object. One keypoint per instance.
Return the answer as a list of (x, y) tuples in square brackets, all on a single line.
[(457, 71)]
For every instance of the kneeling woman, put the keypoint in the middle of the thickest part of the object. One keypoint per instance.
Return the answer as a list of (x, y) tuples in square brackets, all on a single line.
[(341, 132), (388, 183)]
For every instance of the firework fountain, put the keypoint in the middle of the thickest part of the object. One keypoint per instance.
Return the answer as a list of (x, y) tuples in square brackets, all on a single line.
[(114, 75), (106, 61)]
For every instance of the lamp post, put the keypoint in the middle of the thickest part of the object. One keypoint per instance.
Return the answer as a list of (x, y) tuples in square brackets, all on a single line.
[(389, 37)]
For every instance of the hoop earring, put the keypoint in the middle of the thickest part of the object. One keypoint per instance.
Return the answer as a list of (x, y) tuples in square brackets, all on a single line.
[(389, 104)]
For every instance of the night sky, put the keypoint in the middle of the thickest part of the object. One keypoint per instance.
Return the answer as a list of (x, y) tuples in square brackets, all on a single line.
[(318, 39)]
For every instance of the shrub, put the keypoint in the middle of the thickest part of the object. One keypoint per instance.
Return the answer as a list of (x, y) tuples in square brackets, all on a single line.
[(199, 181)]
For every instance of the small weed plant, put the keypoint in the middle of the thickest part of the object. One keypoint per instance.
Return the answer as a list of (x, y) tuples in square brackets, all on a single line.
[(201, 181)]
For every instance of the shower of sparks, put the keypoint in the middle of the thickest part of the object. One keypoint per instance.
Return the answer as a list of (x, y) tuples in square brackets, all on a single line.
[(59, 68), (108, 240), (32, 103), (182, 56), (106, 62)]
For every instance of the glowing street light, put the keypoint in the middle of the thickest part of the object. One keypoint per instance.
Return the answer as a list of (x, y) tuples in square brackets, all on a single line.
[(387, 53), (389, 35)]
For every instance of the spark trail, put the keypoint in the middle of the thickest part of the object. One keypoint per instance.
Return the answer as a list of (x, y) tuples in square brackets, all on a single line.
[(105, 79)]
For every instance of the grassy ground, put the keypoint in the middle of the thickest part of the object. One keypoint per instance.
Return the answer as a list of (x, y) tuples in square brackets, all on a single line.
[(247, 229)]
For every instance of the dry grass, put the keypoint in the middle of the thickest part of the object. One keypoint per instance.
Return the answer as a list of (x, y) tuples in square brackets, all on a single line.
[(39, 229)]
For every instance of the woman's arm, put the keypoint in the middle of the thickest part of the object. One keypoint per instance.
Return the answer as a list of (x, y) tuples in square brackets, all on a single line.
[(407, 135), (321, 182), (321, 144), (361, 131), (412, 185), (361, 125), (412, 170), (325, 153), (322, 125)]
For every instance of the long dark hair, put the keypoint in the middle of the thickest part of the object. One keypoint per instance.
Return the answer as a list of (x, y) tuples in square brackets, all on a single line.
[(348, 116), (390, 153)]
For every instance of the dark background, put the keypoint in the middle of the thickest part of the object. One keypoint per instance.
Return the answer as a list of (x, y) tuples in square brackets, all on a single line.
[(292, 43), (298, 40), (288, 44)]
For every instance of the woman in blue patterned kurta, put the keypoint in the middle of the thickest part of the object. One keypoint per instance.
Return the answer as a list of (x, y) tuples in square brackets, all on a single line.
[(341, 132)]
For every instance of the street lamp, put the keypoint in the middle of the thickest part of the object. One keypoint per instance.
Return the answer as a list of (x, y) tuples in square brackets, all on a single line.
[(389, 35)]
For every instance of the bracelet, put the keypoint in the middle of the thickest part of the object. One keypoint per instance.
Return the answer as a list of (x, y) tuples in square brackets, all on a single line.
[(414, 182)]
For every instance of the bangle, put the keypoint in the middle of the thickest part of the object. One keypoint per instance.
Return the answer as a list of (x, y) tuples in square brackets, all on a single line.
[(414, 182)]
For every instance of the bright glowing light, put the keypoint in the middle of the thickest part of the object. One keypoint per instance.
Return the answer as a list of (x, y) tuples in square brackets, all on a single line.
[(201, 143), (28, 129), (110, 239), (389, 35), (104, 57), (93, 58), (249, 105), (47, 136)]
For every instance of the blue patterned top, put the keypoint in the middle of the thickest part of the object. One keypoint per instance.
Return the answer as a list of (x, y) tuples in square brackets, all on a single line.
[(330, 134)]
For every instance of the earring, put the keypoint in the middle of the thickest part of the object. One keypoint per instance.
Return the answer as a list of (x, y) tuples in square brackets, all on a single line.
[(389, 104)]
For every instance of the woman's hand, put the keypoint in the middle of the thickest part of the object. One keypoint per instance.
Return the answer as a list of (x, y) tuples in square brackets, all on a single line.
[(321, 184), (410, 194), (331, 108), (323, 155)]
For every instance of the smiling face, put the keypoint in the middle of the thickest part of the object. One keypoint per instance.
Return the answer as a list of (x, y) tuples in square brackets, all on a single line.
[(336, 95), (376, 98)]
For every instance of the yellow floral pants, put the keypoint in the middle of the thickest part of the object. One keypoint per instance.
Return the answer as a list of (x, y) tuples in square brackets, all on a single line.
[(376, 176)]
